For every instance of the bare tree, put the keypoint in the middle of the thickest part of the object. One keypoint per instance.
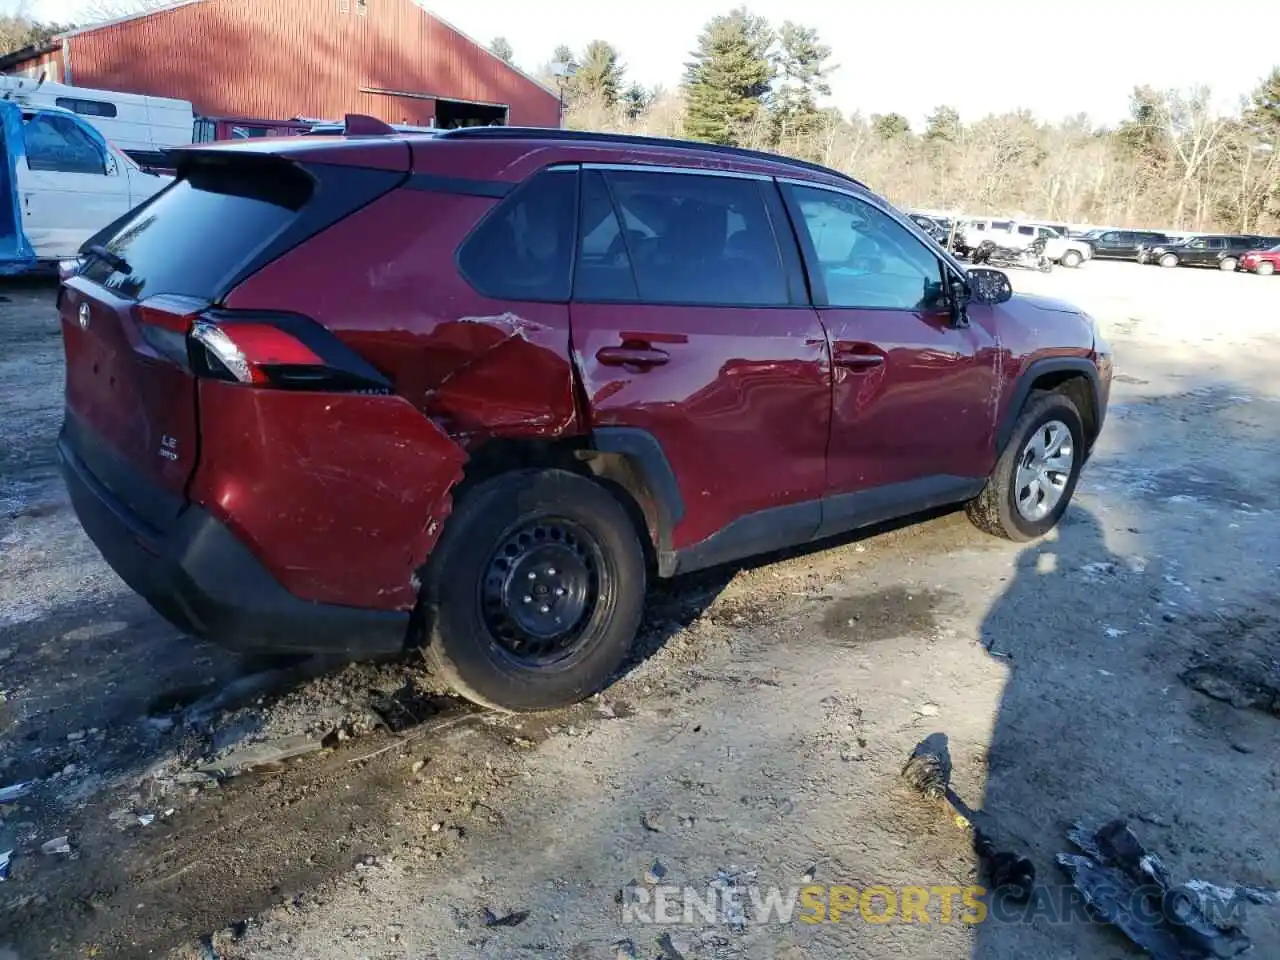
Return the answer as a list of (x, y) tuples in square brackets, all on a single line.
[(1196, 135)]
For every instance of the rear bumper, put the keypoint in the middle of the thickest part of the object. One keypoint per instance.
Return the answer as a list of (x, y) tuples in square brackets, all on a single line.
[(204, 581)]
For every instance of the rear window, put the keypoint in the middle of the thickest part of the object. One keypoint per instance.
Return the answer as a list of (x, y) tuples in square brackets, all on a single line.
[(200, 231)]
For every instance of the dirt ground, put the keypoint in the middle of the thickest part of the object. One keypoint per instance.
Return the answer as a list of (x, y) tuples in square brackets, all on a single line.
[(756, 738)]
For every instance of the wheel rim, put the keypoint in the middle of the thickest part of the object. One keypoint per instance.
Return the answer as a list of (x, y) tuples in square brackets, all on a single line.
[(1044, 468), (1168, 260), (540, 587), (1266, 269)]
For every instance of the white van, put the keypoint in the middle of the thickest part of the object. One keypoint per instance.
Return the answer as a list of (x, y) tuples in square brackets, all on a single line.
[(143, 127), (63, 183)]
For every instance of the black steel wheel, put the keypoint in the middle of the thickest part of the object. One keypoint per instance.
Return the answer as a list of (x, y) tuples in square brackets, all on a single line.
[(540, 588), (535, 591)]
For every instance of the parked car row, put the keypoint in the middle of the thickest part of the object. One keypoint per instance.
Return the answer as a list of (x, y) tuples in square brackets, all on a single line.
[(1228, 252), (1250, 253)]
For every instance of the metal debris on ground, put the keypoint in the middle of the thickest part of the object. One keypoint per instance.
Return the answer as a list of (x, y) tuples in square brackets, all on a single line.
[(928, 772), (513, 919), (56, 846), (266, 754), (15, 792), (6, 858), (1127, 886), (146, 819)]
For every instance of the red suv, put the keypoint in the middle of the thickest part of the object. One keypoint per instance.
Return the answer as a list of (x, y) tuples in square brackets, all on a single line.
[(471, 391)]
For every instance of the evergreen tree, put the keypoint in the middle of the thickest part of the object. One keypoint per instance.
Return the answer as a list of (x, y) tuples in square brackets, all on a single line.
[(728, 78), (501, 48), (943, 125), (636, 100), (802, 68), (1262, 114), (890, 126), (599, 74), (562, 54)]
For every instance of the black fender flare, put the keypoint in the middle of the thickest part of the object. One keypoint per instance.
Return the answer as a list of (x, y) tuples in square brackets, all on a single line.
[(1026, 382), (644, 451)]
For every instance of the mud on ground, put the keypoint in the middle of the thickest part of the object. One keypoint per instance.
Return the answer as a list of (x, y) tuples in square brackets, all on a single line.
[(757, 734)]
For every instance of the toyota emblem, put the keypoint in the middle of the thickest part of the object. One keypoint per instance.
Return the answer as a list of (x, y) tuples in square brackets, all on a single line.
[(84, 316)]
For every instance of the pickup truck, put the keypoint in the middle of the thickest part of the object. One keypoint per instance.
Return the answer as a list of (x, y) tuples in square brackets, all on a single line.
[(1016, 235), (1122, 244)]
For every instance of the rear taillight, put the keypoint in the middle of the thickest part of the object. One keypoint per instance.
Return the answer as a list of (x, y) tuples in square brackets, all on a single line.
[(274, 350), (281, 351)]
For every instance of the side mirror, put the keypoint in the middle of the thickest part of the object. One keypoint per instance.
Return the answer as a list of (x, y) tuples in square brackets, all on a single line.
[(989, 286)]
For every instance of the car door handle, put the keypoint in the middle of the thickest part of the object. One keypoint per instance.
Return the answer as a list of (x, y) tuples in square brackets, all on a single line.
[(632, 356), (855, 360)]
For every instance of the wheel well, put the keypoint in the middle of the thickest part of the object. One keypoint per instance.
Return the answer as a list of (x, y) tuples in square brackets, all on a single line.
[(616, 472), (1077, 387)]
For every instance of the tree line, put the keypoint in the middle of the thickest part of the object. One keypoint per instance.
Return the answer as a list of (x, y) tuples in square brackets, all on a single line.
[(1174, 163)]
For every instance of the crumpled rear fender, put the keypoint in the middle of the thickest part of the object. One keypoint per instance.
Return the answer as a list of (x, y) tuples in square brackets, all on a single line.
[(340, 496)]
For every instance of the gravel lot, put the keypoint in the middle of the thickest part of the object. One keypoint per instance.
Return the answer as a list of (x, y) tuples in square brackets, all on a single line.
[(761, 727)]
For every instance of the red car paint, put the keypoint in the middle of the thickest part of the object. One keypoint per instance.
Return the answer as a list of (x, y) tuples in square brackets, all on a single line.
[(1251, 260), (341, 496)]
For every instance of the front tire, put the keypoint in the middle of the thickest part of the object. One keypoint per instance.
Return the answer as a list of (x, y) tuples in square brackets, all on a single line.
[(535, 591), (1169, 260), (1228, 264), (1036, 475), (1071, 259), (1265, 269)]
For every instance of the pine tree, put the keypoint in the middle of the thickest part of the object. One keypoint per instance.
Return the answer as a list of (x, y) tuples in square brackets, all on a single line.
[(599, 74), (802, 68), (890, 126), (636, 100), (726, 82), (1262, 114), (943, 125), (501, 48)]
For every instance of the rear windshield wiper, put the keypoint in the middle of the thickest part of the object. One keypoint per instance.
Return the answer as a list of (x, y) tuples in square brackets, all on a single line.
[(116, 262)]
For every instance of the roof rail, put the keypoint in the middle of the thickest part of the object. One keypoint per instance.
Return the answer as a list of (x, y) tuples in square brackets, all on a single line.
[(592, 136)]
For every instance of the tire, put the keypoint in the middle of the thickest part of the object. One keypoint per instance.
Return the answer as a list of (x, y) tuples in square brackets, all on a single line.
[(1228, 264), (1071, 259), (996, 510), (1169, 260), (1265, 269), (522, 522)]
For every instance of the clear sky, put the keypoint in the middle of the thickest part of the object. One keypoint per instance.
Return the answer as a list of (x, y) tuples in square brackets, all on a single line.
[(1056, 58)]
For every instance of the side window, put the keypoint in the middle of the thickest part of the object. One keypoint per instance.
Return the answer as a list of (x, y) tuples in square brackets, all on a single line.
[(87, 108), (1025, 231), (604, 266), (59, 144), (523, 248), (1001, 224), (1217, 243), (861, 257), (698, 239), (1112, 237)]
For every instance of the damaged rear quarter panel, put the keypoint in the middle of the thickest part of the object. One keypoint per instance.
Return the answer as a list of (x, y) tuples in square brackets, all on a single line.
[(385, 281), (341, 496)]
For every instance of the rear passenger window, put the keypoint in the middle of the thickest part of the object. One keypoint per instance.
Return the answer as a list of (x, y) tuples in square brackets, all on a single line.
[(1001, 224), (694, 239), (523, 249), (1027, 231)]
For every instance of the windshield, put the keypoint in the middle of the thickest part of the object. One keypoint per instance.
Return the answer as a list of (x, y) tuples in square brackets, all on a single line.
[(1275, 249)]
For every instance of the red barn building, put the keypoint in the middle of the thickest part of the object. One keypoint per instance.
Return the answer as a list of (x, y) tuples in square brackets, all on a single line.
[(279, 59)]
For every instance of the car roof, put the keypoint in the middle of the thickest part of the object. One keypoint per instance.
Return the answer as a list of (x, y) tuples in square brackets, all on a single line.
[(510, 153)]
